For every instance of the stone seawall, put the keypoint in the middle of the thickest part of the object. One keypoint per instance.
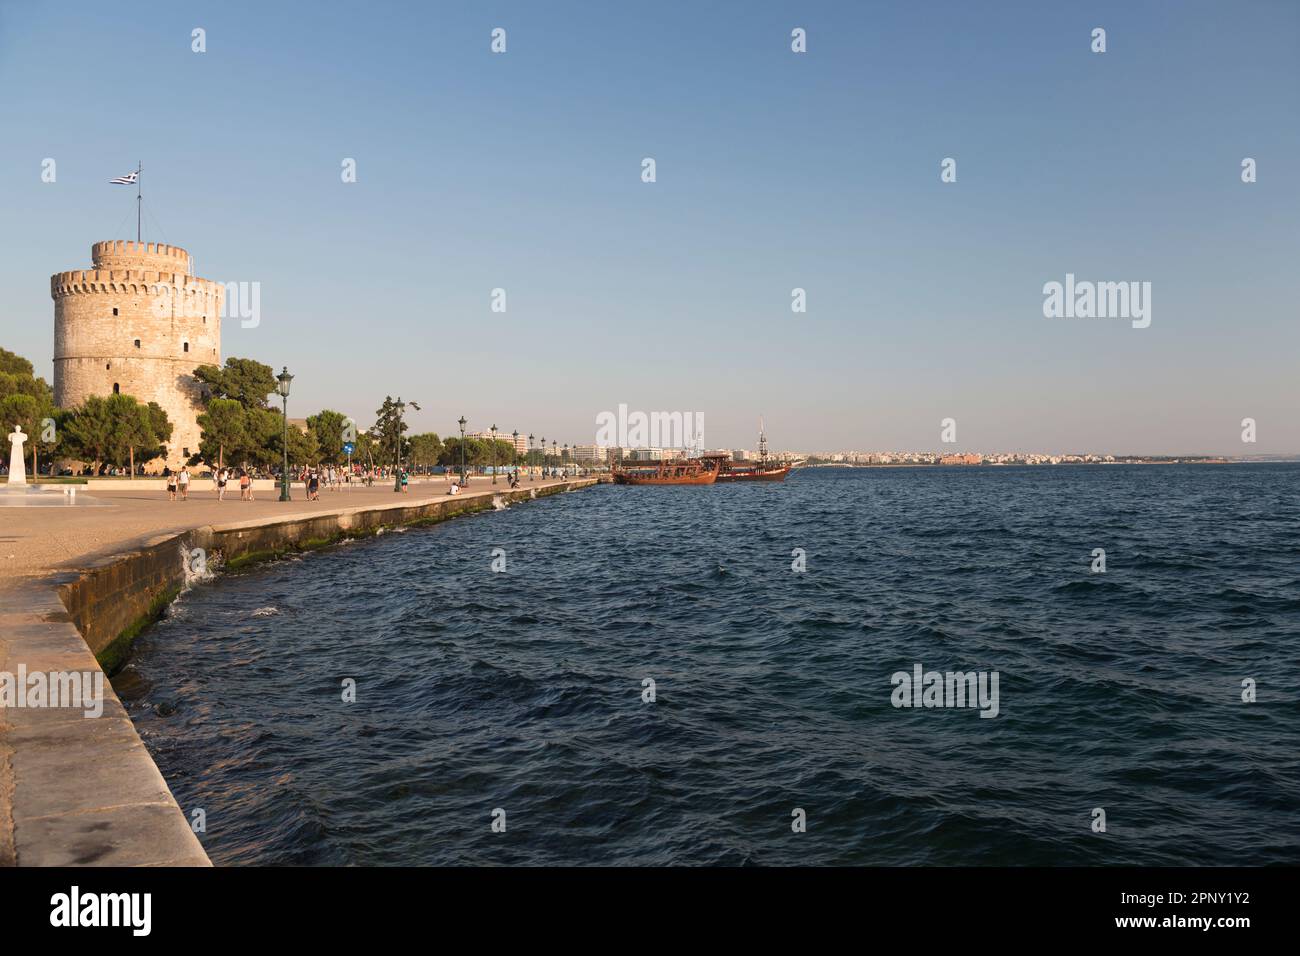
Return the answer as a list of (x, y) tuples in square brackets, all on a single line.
[(84, 791)]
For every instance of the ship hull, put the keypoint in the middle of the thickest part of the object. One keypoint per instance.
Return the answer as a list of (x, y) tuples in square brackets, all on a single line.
[(774, 474), (705, 478)]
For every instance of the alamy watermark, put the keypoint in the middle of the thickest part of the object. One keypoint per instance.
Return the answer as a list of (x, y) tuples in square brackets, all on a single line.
[(650, 429), (242, 300), (923, 688), (82, 690), (1085, 299)]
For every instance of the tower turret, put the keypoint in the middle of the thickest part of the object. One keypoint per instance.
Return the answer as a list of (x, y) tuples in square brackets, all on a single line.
[(139, 322)]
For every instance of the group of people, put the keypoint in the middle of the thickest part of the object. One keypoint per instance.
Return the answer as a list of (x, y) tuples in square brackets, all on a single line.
[(312, 478), (335, 477), (178, 483)]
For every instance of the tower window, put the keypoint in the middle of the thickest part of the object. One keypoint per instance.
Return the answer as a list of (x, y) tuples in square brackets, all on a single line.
[(115, 311), (117, 389), (187, 346), (137, 343), (107, 366)]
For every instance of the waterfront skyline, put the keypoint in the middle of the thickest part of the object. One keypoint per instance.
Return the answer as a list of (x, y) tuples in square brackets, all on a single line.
[(775, 171)]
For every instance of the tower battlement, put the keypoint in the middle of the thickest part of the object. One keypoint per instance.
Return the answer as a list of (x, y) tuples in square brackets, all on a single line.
[(150, 256), (97, 281)]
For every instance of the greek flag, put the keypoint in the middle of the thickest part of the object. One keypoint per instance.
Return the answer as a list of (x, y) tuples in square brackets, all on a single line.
[(127, 180)]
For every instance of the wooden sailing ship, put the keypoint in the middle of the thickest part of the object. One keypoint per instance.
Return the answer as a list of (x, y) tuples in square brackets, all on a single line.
[(684, 471), (762, 470)]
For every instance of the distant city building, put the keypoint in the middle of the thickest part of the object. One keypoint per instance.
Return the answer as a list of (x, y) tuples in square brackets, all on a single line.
[(520, 444), (589, 454)]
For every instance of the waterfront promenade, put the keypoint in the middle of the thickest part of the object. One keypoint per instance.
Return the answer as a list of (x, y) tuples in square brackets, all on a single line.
[(76, 584), (36, 541)]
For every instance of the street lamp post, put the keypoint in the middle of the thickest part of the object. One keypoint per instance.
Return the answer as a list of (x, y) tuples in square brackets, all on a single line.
[(494, 454), (462, 449), (564, 467), (401, 408), (514, 450), (284, 378), (554, 451), (530, 450), (541, 460)]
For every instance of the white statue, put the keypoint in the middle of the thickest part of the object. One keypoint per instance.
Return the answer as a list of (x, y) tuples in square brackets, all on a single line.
[(17, 475)]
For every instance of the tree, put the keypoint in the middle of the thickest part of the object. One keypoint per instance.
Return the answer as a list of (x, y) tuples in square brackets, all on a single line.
[(37, 419), (425, 449), (132, 429), (88, 432), (162, 429), (365, 450), (25, 412), (263, 437), (27, 401), (476, 452), (111, 429), (304, 447), (246, 381), (505, 451), (388, 428), (13, 364), (224, 427), (332, 430)]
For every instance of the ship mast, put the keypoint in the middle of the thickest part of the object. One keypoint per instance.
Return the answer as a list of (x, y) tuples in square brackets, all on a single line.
[(762, 443)]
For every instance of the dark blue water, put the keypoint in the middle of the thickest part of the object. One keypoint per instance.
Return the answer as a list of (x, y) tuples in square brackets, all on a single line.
[(522, 690)]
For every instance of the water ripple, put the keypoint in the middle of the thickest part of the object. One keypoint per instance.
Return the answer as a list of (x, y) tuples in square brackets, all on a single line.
[(523, 689)]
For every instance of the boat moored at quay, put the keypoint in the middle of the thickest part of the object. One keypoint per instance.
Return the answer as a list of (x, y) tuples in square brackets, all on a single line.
[(706, 469), (687, 471)]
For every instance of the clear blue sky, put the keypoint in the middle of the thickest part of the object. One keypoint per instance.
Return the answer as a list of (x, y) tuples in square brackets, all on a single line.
[(775, 170)]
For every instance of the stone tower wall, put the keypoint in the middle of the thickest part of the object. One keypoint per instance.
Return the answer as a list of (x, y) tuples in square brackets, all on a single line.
[(137, 293)]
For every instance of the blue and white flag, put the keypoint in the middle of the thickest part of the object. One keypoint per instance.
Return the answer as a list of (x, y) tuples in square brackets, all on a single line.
[(127, 180)]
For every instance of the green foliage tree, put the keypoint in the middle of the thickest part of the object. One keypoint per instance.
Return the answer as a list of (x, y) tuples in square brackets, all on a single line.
[(132, 428), (505, 452), (425, 448), (14, 364), (476, 452), (224, 430), (28, 401), (332, 429), (88, 432), (161, 428), (304, 447), (25, 412), (365, 450), (264, 431), (388, 429), (246, 381)]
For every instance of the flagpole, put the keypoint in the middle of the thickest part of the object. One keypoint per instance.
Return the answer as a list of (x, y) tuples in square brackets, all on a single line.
[(139, 202)]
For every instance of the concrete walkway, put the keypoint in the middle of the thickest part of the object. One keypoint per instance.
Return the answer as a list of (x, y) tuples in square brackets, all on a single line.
[(84, 791)]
